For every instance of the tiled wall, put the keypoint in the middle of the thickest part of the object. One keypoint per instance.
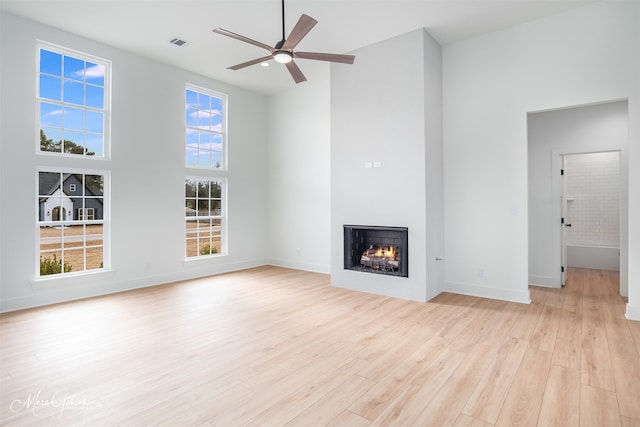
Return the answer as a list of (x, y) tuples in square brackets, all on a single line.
[(593, 194)]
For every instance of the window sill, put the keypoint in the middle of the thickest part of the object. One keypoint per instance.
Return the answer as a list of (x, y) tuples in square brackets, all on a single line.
[(69, 280), (196, 261)]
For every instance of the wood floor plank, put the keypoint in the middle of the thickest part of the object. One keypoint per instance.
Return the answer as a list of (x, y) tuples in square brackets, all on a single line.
[(348, 419), (523, 401), (446, 405), (598, 407), (271, 346), (407, 406), (334, 403), (487, 400), (561, 402)]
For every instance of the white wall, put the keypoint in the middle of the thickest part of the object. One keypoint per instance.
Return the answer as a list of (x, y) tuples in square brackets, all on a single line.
[(591, 128), (593, 194), (147, 171), (382, 110), (587, 55), (298, 176)]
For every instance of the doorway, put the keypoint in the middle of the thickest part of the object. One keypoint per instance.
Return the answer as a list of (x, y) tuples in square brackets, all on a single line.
[(590, 211), (552, 135)]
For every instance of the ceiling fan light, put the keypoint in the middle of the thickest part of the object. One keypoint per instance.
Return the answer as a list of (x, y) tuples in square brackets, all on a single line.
[(283, 57)]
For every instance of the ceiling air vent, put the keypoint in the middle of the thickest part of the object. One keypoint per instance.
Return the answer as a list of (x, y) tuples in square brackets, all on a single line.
[(178, 42)]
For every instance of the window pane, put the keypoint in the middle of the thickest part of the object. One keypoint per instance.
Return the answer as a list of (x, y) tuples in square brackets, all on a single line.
[(205, 140), (216, 123), (74, 260), (190, 188), (94, 185), (50, 62), (94, 144), (73, 68), (191, 117), (95, 122), (204, 102), (190, 208), (50, 239), (74, 92), (95, 73), (73, 118), (192, 99), (203, 207), (191, 157), (95, 258), (203, 190), (50, 87), (50, 115), (216, 140), (73, 142), (216, 159), (216, 105), (204, 159), (204, 120), (95, 97), (51, 140)]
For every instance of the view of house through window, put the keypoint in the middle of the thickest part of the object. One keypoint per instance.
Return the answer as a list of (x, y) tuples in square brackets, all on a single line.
[(204, 216), (71, 210), (72, 102)]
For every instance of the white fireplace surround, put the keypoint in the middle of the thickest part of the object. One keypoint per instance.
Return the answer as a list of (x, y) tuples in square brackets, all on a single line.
[(386, 159)]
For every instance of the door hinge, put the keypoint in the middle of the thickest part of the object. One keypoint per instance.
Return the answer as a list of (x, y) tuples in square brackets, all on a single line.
[(561, 220), (562, 269), (561, 171)]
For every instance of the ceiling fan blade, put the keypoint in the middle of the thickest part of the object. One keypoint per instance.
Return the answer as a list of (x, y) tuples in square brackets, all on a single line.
[(303, 26), (242, 38), (249, 63), (344, 59), (295, 72)]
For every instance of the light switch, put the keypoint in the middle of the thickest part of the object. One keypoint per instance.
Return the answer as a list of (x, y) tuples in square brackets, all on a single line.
[(377, 164), (367, 165)]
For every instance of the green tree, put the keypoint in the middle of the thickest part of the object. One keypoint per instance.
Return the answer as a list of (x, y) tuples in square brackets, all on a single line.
[(70, 147)]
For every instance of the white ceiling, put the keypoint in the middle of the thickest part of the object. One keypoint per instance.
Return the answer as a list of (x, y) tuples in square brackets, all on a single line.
[(145, 27)]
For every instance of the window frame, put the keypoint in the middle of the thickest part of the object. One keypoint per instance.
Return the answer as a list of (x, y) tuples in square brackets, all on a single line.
[(106, 126), (105, 222), (193, 218), (223, 132)]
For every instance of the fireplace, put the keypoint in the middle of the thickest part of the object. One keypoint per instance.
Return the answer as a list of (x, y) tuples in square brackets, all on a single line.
[(375, 249)]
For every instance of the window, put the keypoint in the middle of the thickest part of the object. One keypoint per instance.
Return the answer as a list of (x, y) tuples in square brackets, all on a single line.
[(204, 216), (71, 243), (73, 102), (205, 129)]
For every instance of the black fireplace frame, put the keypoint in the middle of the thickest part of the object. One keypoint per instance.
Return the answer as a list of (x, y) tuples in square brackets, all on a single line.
[(357, 238)]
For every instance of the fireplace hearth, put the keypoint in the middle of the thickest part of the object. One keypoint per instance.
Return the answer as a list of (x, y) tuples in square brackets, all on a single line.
[(376, 249)]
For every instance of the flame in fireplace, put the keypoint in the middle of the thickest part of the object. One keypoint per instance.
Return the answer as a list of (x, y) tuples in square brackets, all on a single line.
[(386, 252)]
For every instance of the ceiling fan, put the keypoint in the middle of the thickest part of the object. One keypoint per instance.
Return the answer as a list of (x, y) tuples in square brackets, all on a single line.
[(283, 52)]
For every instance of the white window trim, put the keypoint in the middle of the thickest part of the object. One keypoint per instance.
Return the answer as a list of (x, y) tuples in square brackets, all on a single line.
[(40, 44), (106, 225), (224, 250), (225, 133)]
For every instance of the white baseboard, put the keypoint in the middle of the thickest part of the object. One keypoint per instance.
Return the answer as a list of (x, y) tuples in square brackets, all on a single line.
[(78, 287), (633, 312), (300, 265), (474, 290), (545, 281)]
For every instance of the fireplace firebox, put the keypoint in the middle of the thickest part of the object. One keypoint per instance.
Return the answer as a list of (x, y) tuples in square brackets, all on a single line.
[(376, 249)]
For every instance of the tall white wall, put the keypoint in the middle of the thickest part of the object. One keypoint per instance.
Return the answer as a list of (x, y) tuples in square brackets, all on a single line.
[(147, 171), (587, 55), (386, 108), (298, 176), (551, 134)]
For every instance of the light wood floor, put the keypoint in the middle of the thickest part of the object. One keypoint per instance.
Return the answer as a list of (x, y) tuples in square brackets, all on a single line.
[(271, 346)]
